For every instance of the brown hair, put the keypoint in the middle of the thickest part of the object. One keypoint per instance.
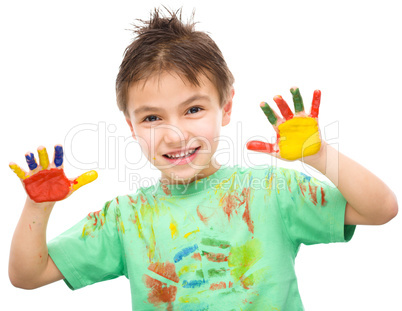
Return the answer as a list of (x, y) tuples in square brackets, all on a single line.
[(167, 44)]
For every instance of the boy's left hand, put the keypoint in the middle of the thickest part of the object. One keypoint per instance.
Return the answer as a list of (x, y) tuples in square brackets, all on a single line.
[(298, 135)]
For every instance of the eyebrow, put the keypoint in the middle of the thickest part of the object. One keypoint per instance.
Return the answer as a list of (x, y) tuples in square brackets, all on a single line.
[(144, 109)]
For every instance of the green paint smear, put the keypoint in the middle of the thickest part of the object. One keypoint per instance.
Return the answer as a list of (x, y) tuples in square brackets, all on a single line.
[(214, 242), (216, 273), (199, 273), (297, 99), (269, 113), (243, 257)]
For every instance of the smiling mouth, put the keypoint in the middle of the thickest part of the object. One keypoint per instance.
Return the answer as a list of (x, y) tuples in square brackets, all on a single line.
[(174, 157)]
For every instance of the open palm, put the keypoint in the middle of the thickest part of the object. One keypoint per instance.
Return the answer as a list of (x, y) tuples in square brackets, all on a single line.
[(47, 182), (298, 134)]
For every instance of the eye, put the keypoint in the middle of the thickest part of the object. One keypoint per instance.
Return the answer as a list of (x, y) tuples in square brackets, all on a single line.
[(195, 109), (150, 118)]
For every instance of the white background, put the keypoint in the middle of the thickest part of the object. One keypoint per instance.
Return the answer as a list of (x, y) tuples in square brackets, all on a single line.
[(59, 61)]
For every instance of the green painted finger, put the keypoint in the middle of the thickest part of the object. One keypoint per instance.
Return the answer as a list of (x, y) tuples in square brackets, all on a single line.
[(269, 113), (297, 99)]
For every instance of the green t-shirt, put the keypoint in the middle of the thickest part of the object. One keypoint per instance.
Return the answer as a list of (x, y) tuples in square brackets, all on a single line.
[(224, 242)]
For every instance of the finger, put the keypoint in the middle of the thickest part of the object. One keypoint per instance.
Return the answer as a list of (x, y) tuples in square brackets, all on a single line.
[(84, 179), (297, 99), (58, 155), (269, 113), (315, 105), (283, 107), (31, 161), (17, 170), (43, 157), (261, 146)]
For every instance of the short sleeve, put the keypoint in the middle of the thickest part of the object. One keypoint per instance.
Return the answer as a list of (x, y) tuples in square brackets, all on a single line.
[(91, 250), (313, 211)]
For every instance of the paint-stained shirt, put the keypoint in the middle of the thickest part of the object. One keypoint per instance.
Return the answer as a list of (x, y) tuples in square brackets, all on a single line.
[(224, 242)]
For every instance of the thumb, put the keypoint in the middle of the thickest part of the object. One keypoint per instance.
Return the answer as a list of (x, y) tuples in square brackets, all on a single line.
[(261, 146), (84, 179)]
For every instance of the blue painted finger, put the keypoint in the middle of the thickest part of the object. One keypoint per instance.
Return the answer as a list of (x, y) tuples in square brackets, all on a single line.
[(31, 161), (58, 155)]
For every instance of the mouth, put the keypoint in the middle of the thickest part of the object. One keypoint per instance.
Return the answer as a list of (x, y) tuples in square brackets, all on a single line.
[(182, 155)]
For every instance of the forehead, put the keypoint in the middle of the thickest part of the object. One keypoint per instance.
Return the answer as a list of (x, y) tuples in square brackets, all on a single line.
[(168, 89)]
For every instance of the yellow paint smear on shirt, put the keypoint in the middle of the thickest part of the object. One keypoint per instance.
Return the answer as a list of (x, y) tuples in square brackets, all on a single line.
[(187, 234), (186, 269), (173, 229), (188, 299), (84, 179), (299, 137), (18, 171)]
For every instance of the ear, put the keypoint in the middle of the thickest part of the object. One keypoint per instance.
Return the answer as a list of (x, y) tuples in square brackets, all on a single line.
[(227, 108), (131, 128)]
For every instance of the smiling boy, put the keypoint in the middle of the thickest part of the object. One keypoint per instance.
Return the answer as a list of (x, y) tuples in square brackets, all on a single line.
[(206, 236)]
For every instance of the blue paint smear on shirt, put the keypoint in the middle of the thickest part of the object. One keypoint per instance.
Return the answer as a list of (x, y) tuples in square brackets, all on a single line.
[(193, 283), (185, 252)]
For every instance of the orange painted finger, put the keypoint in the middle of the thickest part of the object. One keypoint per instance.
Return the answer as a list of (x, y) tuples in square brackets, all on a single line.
[(315, 105), (283, 107)]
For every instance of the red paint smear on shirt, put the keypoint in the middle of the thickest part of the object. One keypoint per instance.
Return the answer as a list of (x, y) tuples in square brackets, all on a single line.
[(48, 185), (196, 256), (230, 284), (215, 286), (323, 202), (215, 257), (246, 215), (303, 188), (203, 218), (313, 193), (167, 270), (166, 190), (159, 292), (230, 203)]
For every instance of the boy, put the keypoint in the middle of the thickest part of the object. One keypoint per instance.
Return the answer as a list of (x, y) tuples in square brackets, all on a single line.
[(206, 236)]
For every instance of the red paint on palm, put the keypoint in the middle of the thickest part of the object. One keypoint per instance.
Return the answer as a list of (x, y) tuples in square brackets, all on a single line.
[(48, 185)]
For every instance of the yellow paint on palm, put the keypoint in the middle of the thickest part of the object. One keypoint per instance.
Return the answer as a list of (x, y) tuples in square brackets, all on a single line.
[(299, 137), (84, 179), (43, 158), (17, 170)]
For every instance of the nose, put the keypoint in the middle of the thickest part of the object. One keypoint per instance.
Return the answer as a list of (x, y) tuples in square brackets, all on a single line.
[(173, 134)]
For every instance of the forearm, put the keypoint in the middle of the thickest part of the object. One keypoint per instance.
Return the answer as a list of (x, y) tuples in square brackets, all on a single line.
[(365, 193), (29, 253)]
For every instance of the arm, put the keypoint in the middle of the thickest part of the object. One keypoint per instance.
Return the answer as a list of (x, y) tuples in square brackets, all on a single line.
[(30, 265), (369, 200)]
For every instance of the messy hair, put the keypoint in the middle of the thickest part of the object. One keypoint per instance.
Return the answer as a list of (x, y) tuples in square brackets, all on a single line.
[(166, 44)]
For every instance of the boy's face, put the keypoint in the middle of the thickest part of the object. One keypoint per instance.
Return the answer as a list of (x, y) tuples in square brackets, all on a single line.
[(169, 116)]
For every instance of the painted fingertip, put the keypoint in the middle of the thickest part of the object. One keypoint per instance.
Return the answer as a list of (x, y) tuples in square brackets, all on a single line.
[(58, 155), (43, 157), (269, 113), (278, 97), (30, 158), (317, 93), (17, 170)]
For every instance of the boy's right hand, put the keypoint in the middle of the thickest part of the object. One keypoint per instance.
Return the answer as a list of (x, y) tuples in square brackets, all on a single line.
[(47, 182)]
